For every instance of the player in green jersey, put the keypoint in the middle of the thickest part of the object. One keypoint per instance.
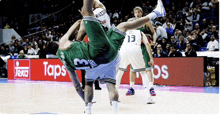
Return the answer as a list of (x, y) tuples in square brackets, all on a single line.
[(99, 57)]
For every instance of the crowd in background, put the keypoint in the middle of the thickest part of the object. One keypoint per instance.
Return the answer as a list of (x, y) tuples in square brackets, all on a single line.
[(189, 26)]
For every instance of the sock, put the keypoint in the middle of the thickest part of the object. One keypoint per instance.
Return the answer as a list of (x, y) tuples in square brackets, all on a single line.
[(151, 84), (115, 106), (145, 80), (152, 16), (88, 108), (132, 84)]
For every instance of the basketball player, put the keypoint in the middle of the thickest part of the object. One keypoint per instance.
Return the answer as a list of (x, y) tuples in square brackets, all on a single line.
[(131, 53), (148, 28), (99, 57)]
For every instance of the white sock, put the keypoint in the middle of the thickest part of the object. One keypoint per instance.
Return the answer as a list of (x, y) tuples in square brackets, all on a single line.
[(88, 108), (152, 16), (118, 79), (132, 84), (145, 79), (151, 84), (115, 106)]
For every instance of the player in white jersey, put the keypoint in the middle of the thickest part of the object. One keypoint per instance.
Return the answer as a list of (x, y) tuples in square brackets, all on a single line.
[(131, 53)]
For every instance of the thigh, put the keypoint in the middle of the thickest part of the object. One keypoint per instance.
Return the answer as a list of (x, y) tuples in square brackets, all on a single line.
[(137, 62)]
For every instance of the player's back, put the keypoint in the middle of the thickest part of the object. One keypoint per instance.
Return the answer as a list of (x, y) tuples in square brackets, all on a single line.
[(76, 57), (132, 41)]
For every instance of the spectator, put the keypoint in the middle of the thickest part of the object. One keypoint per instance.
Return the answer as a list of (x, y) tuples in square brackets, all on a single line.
[(213, 44), (174, 53), (196, 17), (189, 51), (188, 25), (43, 52), (7, 51), (205, 36), (30, 50), (206, 6), (181, 45), (16, 48), (167, 50), (213, 32), (161, 32), (36, 50), (25, 49), (159, 52), (163, 43), (21, 55), (115, 15), (190, 16), (169, 30), (173, 40), (204, 24), (177, 34), (11, 47), (174, 24), (2, 51)]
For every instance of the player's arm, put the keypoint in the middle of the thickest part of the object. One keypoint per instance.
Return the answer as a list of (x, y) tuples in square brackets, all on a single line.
[(148, 46), (82, 32), (98, 4), (76, 83), (149, 24), (72, 30)]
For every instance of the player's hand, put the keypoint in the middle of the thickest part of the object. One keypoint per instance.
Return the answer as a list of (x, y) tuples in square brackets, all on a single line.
[(151, 63)]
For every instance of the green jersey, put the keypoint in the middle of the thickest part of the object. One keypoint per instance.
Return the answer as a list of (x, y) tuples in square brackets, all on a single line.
[(101, 49)]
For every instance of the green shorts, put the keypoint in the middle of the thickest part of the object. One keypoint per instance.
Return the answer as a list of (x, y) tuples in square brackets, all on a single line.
[(100, 48), (146, 58)]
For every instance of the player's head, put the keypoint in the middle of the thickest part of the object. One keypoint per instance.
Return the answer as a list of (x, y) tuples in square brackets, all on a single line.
[(102, 16), (138, 12), (53, 47)]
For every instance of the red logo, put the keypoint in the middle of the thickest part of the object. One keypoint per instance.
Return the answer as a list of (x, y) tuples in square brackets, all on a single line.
[(22, 69)]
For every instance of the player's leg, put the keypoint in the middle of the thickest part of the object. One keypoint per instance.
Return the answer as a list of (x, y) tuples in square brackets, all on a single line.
[(132, 82), (87, 8), (159, 11), (146, 85), (118, 78), (151, 80), (88, 96), (113, 95)]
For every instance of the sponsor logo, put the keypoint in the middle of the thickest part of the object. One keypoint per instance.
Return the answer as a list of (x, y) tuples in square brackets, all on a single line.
[(22, 69), (54, 70), (162, 71)]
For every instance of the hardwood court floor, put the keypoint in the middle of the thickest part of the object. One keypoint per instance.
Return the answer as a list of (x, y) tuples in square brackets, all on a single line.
[(34, 97)]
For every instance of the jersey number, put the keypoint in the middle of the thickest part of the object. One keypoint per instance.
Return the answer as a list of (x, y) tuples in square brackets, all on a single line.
[(131, 38), (81, 64)]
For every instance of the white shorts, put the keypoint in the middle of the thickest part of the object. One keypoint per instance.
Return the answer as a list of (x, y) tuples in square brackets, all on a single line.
[(134, 58), (105, 72)]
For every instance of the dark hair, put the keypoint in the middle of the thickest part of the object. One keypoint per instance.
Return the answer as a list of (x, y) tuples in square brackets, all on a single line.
[(52, 47)]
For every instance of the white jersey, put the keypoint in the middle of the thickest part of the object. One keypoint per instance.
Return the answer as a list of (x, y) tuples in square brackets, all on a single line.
[(132, 41), (131, 52)]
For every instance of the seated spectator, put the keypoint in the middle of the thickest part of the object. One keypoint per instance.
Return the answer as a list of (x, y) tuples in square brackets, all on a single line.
[(173, 40), (43, 52), (159, 52), (161, 32), (115, 15), (11, 47), (30, 50), (213, 44), (213, 32), (174, 53), (196, 18), (189, 51), (164, 43), (169, 30), (177, 34), (181, 45), (7, 51), (25, 49), (188, 25), (36, 50), (2, 51), (204, 24), (21, 55), (167, 50), (205, 36)]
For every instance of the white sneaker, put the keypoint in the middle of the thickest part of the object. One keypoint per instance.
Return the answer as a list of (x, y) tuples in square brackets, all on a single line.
[(159, 10), (150, 101)]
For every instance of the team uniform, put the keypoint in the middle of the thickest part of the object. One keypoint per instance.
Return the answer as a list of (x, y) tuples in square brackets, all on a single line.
[(144, 51), (131, 52), (99, 57)]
